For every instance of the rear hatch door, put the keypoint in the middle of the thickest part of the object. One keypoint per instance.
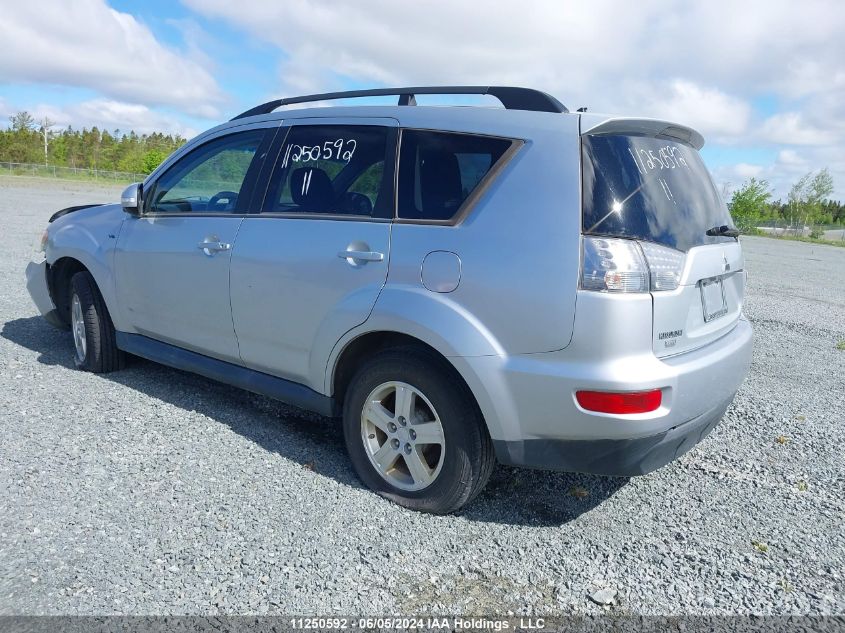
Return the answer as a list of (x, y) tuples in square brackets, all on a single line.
[(706, 305), (645, 180)]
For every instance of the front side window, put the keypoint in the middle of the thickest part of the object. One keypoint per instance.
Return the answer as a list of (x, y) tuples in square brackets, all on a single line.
[(332, 169), (438, 171), (208, 179)]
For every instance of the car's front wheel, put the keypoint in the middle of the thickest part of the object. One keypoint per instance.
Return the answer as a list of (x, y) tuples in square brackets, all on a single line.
[(414, 433), (94, 343)]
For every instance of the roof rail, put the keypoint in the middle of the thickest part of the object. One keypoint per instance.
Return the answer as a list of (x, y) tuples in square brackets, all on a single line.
[(511, 97)]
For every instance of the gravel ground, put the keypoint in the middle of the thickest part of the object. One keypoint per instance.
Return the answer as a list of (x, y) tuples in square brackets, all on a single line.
[(155, 491)]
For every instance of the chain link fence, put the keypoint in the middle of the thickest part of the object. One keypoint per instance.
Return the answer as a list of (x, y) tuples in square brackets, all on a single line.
[(69, 173), (823, 231)]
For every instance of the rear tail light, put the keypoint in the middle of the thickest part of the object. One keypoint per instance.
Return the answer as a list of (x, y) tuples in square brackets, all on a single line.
[(665, 265), (618, 265), (620, 402), (613, 265)]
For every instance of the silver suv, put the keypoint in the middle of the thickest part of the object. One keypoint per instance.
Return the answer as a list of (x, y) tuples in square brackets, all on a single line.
[(464, 285)]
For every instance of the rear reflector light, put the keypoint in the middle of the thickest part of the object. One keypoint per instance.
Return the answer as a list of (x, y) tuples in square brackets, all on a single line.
[(620, 402)]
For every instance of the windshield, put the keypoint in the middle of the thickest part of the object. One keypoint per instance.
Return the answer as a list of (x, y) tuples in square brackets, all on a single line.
[(651, 189)]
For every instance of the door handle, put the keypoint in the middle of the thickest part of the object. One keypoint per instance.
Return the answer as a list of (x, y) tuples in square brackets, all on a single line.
[(210, 246), (361, 256)]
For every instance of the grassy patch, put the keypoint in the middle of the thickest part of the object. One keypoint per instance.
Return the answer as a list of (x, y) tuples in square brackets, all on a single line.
[(841, 345), (802, 238), (62, 173)]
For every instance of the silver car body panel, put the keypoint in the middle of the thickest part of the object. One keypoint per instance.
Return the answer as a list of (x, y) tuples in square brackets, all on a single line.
[(90, 237), (532, 396), (173, 291), (36, 285), (679, 320), (293, 297), (511, 320), (606, 124), (280, 256)]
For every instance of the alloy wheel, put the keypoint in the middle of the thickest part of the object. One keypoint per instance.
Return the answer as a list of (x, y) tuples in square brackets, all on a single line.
[(403, 436)]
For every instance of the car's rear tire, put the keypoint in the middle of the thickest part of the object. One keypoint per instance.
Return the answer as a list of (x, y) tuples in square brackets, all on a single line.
[(414, 432), (95, 349)]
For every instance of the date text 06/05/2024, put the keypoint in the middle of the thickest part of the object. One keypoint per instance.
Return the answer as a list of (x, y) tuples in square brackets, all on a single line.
[(418, 623)]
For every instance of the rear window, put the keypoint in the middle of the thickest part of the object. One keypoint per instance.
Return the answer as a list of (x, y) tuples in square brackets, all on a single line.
[(651, 189), (439, 170)]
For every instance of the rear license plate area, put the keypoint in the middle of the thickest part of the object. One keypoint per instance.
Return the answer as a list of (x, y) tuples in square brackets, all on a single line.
[(713, 299)]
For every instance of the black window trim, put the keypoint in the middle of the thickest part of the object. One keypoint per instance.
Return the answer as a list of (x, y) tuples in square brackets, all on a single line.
[(461, 214), (391, 150), (476, 194), (251, 179)]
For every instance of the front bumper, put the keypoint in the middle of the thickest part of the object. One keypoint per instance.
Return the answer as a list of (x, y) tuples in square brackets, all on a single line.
[(36, 284), (615, 458)]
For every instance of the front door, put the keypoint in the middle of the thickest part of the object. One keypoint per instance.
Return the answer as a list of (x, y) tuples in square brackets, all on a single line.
[(172, 262), (310, 266)]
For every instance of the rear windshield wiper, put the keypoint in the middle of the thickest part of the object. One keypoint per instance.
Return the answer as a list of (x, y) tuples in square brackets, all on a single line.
[(723, 230)]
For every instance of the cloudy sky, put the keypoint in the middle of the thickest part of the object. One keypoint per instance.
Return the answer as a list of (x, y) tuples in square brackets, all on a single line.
[(764, 81)]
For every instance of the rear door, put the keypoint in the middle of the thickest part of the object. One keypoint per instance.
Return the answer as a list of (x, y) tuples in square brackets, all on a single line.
[(655, 189), (309, 267)]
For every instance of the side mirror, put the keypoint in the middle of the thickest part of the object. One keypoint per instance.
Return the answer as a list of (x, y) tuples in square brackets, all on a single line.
[(130, 199)]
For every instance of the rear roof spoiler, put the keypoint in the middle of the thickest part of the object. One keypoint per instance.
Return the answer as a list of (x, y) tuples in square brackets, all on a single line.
[(648, 127), (511, 97)]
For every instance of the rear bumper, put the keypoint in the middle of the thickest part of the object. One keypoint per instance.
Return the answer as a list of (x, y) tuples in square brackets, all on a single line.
[(535, 421), (615, 458), (36, 284)]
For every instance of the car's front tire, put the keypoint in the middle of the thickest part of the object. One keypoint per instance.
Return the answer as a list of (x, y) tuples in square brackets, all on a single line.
[(95, 349), (414, 433)]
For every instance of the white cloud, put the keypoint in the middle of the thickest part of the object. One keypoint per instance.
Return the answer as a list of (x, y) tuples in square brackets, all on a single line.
[(84, 43), (791, 158), (107, 114), (728, 178), (704, 64), (746, 170), (598, 54), (792, 128), (785, 170), (711, 111), (697, 63)]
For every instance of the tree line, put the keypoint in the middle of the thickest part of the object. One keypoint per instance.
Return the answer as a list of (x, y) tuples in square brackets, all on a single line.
[(808, 204), (30, 141)]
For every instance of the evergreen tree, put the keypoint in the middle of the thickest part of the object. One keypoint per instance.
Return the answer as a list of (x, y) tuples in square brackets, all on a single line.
[(23, 142)]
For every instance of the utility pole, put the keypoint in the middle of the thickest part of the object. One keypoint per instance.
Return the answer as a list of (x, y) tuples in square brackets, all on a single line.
[(46, 124)]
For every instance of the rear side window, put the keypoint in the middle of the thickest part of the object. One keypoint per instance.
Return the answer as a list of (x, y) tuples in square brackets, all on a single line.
[(333, 169), (438, 171), (650, 189)]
